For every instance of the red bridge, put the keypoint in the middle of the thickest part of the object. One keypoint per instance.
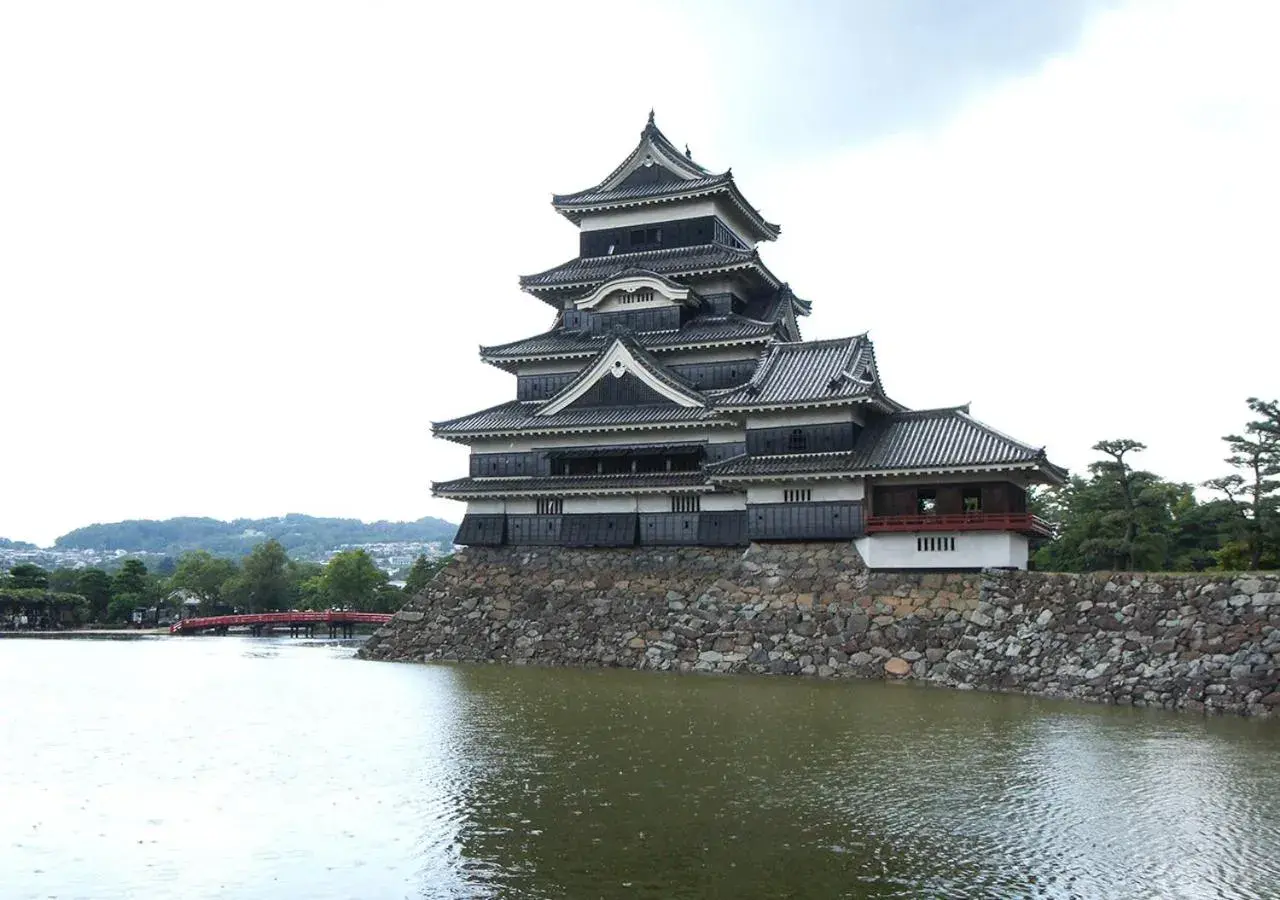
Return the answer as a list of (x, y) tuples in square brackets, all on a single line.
[(298, 622)]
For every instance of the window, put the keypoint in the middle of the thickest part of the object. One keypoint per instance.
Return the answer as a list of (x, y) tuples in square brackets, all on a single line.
[(550, 506), (935, 544), (686, 504), (797, 442), (926, 502), (972, 500), (797, 495)]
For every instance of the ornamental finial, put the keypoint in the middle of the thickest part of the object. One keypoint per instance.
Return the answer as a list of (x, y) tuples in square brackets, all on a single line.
[(687, 153), (651, 117)]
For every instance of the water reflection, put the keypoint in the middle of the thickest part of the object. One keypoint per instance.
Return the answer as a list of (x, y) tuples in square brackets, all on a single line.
[(277, 768)]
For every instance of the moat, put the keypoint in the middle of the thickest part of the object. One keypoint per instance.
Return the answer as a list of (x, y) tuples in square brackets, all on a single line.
[(234, 767)]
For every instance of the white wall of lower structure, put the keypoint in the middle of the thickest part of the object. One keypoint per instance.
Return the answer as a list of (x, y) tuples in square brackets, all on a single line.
[(822, 415), (723, 502), (973, 550), (622, 503), (820, 491), (486, 507)]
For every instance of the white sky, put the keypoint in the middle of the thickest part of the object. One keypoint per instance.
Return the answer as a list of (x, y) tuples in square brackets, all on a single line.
[(248, 250)]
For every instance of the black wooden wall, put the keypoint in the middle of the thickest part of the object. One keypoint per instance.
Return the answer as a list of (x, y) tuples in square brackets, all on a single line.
[(708, 376), (802, 439), (482, 530), (650, 236), (835, 520), (542, 387)]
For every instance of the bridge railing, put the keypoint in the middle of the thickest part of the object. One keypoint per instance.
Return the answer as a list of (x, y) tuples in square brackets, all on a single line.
[(294, 617)]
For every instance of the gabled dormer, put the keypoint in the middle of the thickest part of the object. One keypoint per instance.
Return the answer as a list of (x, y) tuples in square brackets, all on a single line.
[(659, 198), (624, 374)]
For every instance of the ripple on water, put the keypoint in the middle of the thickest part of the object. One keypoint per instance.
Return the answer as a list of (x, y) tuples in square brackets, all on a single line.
[(226, 767)]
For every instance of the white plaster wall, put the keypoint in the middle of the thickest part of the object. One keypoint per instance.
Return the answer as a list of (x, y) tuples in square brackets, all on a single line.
[(973, 550), (486, 507), (524, 507), (667, 212), (616, 504), (823, 491), (821, 416), (723, 502), (553, 368), (653, 503), (664, 212)]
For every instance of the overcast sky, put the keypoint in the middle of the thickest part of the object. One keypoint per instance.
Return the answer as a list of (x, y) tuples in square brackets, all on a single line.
[(248, 250)]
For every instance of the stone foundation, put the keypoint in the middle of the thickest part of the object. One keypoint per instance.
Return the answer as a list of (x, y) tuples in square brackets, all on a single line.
[(1199, 642)]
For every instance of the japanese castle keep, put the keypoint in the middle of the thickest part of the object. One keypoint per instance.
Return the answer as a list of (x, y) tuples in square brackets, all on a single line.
[(674, 402)]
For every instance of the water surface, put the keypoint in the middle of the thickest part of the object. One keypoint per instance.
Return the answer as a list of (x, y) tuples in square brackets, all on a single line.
[(261, 768)]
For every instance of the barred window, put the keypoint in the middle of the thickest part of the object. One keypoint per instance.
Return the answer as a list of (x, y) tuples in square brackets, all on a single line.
[(798, 495), (935, 544), (797, 442), (550, 506), (688, 504)]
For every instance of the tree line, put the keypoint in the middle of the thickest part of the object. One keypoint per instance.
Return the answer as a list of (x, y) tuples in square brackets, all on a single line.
[(266, 580), (1124, 518)]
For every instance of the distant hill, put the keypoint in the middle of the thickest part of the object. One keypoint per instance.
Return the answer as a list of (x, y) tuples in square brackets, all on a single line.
[(301, 535), (6, 544)]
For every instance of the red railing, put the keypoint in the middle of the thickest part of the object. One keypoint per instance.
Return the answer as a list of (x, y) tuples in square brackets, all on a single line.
[(297, 617), (1024, 523)]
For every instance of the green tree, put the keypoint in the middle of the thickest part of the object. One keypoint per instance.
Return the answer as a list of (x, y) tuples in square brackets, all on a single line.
[(352, 581), (262, 584), (121, 606), (424, 569), (28, 576), (1252, 495), (307, 584), (131, 579), (95, 586), (203, 575)]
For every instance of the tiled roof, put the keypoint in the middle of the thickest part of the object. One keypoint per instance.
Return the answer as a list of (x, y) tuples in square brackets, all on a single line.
[(700, 330), (904, 441), (572, 206), (519, 415), (803, 372), (932, 438), (676, 261), (568, 483), (596, 194)]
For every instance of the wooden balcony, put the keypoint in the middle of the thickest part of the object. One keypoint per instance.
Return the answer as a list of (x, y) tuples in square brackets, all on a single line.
[(1023, 523)]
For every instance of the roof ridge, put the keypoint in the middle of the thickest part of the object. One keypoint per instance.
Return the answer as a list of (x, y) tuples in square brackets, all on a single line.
[(964, 411)]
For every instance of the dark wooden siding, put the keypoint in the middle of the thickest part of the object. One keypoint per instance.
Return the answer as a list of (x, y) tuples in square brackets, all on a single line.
[(482, 530), (669, 528), (720, 452), (509, 465), (708, 376), (533, 530), (722, 529), (598, 530), (625, 391), (802, 439), (903, 500), (836, 520), (542, 387), (654, 318), (650, 236)]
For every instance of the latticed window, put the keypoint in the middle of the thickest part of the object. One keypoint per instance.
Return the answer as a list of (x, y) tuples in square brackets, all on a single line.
[(798, 442), (550, 506), (797, 495), (688, 504)]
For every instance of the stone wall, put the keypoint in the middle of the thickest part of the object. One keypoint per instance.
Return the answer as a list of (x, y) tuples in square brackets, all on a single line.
[(1200, 642)]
